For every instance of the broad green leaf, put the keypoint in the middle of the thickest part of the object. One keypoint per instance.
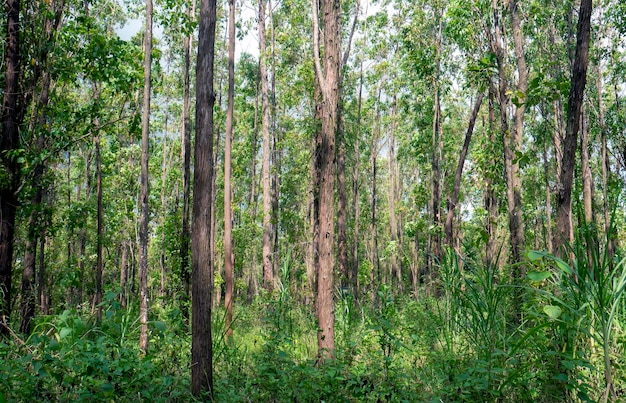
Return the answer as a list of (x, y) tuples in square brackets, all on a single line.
[(160, 326), (552, 311), (562, 265), (66, 331), (535, 255), (538, 275)]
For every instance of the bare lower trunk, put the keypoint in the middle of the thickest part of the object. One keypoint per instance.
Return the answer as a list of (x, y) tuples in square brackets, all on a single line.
[(202, 263), (564, 230), (229, 257)]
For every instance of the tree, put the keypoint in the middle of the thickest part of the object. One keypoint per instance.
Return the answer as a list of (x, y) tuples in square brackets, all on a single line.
[(186, 157), (145, 192), (201, 262), (10, 168), (564, 231), (327, 76), (229, 257), (454, 197), (268, 275)]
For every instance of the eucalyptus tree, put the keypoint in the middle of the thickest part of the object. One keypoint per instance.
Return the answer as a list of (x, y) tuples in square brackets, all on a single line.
[(327, 72), (202, 264), (12, 115), (564, 229), (145, 149), (229, 257), (37, 126), (268, 274)]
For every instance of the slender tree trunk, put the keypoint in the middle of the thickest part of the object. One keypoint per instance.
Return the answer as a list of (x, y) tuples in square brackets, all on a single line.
[(99, 231), (145, 191), (252, 275), (490, 200), (586, 173), (454, 197), (342, 196), (164, 212), (355, 191), (395, 268), (42, 280), (606, 168), (202, 264), (124, 274), (514, 146), (546, 174), (186, 157), (434, 236), (268, 275), (9, 141), (374, 256), (328, 78), (36, 231), (564, 230), (229, 257)]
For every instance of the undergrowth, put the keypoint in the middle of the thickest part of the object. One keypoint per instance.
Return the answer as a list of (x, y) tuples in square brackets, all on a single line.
[(566, 343)]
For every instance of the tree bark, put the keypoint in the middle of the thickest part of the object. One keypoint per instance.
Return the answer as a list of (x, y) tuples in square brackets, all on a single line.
[(434, 236), (186, 157), (202, 264), (268, 275), (328, 78), (564, 232), (454, 197), (586, 173), (513, 146), (229, 257), (9, 168), (342, 197), (145, 191), (355, 191)]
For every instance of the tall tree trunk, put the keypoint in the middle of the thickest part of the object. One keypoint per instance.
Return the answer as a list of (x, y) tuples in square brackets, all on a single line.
[(99, 231), (35, 230), (514, 146), (546, 174), (268, 275), (185, 235), (229, 257), (454, 197), (202, 264), (606, 168), (395, 267), (434, 236), (374, 256), (145, 213), (164, 212), (9, 141), (489, 197), (276, 153), (342, 197), (564, 230), (124, 273), (355, 191), (586, 173), (252, 275), (328, 79), (43, 280)]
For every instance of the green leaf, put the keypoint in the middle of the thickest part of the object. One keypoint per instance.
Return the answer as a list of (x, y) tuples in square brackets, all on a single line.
[(562, 265), (538, 275), (160, 326), (552, 311), (535, 255), (66, 331)]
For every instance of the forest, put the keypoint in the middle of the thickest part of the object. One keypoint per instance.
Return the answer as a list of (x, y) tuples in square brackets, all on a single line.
[(313, 200)]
